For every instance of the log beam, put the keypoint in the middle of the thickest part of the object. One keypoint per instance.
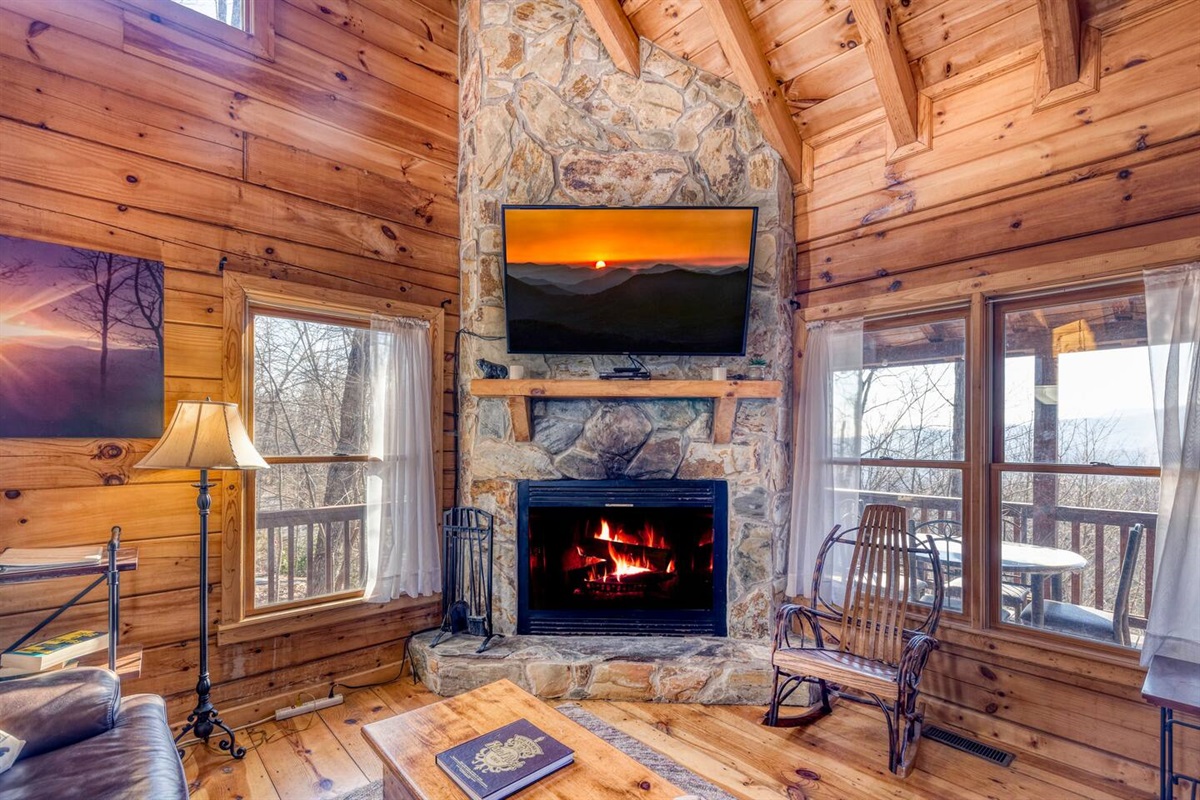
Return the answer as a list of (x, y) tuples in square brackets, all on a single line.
[(615, 30), (741, 47), (893, 76), (1059, 21)]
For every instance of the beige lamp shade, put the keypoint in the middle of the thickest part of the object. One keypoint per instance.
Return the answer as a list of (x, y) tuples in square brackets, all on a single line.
[(204, 434)]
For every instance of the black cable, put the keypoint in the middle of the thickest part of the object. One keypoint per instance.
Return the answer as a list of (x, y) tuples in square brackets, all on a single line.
[(407, 657), (454, 413)]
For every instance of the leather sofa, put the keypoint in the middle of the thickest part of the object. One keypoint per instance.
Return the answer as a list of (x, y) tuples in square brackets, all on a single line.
[(83, 740)]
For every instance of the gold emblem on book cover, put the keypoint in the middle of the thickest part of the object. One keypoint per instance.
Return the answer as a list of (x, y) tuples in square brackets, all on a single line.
[(507, 756)]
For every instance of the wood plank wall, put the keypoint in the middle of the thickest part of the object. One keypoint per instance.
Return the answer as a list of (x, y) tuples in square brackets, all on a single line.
[(334, 165), (1105, 184)]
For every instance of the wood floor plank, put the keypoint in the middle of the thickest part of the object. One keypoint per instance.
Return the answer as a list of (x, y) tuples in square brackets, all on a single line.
[(213, 775), (346, 721), (308, 763)]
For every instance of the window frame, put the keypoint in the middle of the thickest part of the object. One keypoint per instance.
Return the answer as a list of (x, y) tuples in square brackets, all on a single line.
[(254, 309), (963, 465), (981, 567), (257, 40), (997, 463), (245, 294)]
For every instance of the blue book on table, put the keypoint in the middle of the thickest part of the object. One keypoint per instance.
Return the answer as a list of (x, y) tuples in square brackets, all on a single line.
[(504, 761)]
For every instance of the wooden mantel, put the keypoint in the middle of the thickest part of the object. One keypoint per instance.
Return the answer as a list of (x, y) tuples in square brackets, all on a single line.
[(725, 395)]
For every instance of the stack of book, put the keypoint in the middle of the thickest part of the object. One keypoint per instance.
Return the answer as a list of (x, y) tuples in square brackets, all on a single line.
[(51, 654), (34, 559)]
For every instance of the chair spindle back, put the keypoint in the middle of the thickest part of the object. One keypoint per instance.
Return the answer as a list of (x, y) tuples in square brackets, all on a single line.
[(876, 603)]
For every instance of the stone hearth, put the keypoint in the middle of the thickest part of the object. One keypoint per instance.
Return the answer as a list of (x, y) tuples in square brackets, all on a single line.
[(678, 670)]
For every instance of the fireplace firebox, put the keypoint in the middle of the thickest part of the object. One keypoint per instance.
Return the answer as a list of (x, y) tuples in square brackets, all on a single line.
[(622, 557)]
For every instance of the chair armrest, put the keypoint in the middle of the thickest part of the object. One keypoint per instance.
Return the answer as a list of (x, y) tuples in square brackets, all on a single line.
[(59, 708), (809, 618), (912, 660)]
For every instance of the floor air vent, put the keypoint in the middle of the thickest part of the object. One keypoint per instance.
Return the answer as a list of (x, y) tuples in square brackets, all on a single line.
[(975, 748)]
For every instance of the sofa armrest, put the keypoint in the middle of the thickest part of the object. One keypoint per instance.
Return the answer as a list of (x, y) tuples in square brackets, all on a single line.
[(59, 708)]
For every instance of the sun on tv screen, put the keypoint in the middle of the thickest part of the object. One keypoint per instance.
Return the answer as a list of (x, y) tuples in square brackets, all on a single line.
[(643, 281)]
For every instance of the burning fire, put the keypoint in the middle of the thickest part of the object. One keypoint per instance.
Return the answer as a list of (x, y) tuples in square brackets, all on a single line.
[(647, 537), (623, 564)]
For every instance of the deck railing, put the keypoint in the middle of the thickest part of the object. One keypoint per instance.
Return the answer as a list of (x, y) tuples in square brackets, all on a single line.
[(308, 552), (1100, 535)]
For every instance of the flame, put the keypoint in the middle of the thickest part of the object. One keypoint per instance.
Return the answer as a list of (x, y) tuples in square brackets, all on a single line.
[(625, 565), (671, 567), (646, 537)]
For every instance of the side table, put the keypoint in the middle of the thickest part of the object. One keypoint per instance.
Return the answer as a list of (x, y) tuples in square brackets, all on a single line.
[(108, 570), (1173, 685)]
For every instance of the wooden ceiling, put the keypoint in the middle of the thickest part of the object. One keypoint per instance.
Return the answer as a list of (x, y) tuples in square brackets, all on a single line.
[(816, 70)]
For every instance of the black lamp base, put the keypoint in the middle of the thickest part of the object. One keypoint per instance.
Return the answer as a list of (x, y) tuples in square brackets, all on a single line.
[(204, 717), (201, 722)]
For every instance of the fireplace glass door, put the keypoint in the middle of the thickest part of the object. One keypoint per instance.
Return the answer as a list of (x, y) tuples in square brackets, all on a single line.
[(623, 557)]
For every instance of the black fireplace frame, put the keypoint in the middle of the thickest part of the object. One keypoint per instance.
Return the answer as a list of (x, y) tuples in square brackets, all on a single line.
[(712, 494)]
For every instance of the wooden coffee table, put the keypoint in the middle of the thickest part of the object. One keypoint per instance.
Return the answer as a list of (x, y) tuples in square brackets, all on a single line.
[(408, 742)]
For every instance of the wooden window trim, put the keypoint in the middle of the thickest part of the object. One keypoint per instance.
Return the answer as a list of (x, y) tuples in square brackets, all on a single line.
[(979, 629), (242, 293), (257, 40)]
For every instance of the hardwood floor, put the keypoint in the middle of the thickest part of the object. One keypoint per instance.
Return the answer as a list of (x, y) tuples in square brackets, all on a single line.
[(843, 756)]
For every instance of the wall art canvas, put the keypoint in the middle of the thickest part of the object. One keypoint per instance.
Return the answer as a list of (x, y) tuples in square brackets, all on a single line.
[(81, 342)]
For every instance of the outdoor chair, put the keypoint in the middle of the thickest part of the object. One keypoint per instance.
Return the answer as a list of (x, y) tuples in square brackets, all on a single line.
[(861, 646), (1079, 620)]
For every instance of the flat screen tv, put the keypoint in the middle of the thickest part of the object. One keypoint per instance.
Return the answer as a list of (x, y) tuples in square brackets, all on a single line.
[(643, 281)]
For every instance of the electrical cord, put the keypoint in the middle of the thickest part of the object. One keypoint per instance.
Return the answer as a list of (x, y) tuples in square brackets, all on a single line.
[(454, 413)]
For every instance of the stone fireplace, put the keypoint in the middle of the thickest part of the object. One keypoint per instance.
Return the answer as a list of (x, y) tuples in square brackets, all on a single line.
[(546, 118), (621, 557)]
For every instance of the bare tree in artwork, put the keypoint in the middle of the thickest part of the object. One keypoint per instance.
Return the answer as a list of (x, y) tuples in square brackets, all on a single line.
[(148, 300), (11, 271), (121, 292), (98, 308)]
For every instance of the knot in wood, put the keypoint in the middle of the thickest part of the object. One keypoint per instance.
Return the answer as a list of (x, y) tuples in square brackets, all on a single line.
[(109, 451), (12, 494)]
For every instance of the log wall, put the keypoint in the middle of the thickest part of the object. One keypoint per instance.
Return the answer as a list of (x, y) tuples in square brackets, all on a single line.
[(1010, 198), (333, 165)]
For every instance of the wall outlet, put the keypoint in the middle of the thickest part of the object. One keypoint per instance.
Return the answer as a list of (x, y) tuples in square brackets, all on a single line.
[(311, 705)]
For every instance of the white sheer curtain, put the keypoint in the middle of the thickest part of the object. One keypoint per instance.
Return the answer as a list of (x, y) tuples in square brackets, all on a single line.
[(825, 471), (400, 534), (1173, 328)]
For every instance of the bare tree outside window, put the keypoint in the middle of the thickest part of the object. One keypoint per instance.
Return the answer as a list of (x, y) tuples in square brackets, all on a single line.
[(231, 12), (311, 396)]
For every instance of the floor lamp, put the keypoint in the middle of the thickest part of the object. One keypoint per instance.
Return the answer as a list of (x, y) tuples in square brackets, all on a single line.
[(204, 435)]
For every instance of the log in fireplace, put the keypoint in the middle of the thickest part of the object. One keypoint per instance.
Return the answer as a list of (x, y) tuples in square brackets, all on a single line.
[(622, 557)]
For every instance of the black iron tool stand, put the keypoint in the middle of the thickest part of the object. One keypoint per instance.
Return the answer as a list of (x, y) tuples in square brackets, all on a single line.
[(204, 717), (467, 575)]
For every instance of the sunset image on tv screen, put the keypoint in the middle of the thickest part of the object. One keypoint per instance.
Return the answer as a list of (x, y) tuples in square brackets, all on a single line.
[(628, 280)]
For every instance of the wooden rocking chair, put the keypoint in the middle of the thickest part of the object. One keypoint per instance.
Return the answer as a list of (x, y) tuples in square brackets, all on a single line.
[(860, 648)]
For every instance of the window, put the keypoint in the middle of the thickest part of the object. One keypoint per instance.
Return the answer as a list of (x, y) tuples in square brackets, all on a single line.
[(296, 361), (1076, 464), (910, 403), (1043, 497), (246, 25), (309, 420), (230, 12)]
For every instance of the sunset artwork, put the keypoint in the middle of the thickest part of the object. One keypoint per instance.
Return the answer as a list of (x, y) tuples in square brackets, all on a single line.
[(81, 342), (628, 280)]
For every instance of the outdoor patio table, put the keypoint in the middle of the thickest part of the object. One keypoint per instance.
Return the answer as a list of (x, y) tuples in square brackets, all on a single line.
[(1036, 561)]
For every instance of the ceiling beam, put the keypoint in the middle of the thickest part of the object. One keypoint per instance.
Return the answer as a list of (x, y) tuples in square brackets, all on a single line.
[(889, 64), (746, 58), (1061, 46), (616, 32)]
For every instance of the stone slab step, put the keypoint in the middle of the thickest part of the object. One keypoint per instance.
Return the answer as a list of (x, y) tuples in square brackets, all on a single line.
[(709, 670)]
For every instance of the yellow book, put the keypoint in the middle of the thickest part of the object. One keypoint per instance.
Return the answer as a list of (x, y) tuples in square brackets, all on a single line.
[(52, 652)]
